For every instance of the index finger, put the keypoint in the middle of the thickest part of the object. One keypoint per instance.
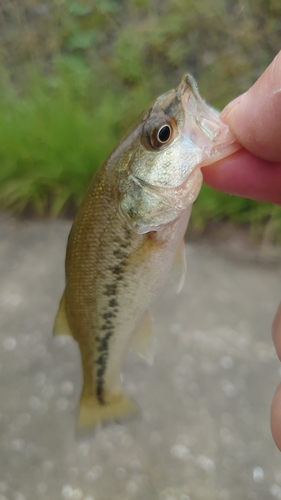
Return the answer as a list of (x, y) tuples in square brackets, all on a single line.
[(244, 174), (255, 120), (255, 117)]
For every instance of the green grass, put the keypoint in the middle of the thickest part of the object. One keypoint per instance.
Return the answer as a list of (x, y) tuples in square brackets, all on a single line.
[(75, 76), (54, 137), (262, 219)]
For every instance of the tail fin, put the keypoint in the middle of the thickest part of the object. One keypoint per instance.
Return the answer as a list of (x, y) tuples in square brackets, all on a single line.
[(92, 412), (61, 326)]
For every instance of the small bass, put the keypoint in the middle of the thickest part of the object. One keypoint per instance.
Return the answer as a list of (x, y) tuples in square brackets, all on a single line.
[(125, 237)]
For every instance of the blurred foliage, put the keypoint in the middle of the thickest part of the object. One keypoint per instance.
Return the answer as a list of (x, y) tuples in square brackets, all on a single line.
[(76, 74)]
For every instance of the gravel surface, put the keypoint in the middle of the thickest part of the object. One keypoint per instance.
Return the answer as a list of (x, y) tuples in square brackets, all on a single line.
[(203, 431)]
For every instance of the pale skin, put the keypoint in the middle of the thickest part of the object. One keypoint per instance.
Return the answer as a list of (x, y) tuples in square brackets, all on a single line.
[(255, 171)]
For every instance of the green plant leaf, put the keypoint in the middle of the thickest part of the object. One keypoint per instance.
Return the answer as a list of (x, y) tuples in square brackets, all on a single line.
[(78, 9), (81, 40)]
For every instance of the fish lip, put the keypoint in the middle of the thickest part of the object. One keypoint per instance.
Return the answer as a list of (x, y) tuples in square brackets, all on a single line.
[(212, 136)]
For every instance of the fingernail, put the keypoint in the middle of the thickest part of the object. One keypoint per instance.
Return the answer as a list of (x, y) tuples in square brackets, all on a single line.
[(233, 104)]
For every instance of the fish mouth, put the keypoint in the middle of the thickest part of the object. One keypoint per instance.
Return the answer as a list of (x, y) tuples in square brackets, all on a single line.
[(203, 125)]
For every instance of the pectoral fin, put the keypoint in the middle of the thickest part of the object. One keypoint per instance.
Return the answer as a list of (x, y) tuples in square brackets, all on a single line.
[(61, 326), (142, 340), (179, 268)]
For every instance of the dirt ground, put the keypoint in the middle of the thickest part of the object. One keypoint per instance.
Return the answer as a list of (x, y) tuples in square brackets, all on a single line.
[(203, 430)]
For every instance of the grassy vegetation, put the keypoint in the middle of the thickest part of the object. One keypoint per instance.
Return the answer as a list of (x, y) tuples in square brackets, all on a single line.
[(74, 75)]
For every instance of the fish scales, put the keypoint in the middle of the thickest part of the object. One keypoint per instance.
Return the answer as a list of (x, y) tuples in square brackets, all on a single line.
[(124, 239), (118, 269)]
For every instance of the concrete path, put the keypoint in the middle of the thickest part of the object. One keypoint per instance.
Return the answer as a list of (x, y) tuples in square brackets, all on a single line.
[(204, 429)]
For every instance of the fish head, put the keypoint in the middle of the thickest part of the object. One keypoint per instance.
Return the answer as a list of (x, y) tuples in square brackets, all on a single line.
[(159, 164)]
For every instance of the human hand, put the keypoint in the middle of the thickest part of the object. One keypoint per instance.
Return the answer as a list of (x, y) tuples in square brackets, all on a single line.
[(255, 170), (255, 120)]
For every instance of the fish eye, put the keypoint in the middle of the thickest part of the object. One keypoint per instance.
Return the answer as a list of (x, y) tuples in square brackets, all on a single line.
[(157, 133), (161, 135), (164, 134)]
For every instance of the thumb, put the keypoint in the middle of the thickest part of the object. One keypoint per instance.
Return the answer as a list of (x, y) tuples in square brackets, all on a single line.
[(255, 117)]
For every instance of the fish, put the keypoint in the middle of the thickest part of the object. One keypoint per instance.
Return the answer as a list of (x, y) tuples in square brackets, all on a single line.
[(125, 237)]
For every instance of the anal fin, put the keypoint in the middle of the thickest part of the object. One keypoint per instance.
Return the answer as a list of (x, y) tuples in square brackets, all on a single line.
[(142, 340), (179, 267), (61, 326)]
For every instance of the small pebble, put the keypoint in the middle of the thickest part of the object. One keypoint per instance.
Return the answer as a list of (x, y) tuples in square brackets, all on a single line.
[(180, 451), (199, 336), (17, 445), (66, 492), (258, 475), (11, 299), (67, 388), (206, 463), (229, 389), (18, 496), (84, 449), (132, 487), (62, 340), (77, 494), (226, 362), (275, 491), (93, 474)]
